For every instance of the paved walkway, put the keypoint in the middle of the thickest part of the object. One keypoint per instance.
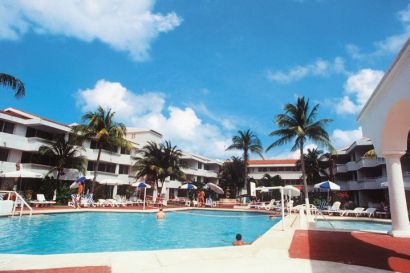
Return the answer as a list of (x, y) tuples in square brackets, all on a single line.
[(359, 248)]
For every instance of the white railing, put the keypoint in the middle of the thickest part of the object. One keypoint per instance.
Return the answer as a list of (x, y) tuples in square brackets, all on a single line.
[(19, 200)]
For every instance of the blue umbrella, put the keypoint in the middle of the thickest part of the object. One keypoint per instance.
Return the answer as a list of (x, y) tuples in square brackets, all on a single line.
[(327, 185), (77, 182), (188, 186), (142, 185)]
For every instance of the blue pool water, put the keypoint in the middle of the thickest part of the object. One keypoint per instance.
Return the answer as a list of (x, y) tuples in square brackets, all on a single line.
[(105, 232), (354, 225)]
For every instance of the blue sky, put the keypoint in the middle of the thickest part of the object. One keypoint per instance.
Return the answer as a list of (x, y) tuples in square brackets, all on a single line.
[(198, 71)]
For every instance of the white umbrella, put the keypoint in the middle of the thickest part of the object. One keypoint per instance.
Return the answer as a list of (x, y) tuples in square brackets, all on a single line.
[(291, 191), (142, 185), (215, 188)]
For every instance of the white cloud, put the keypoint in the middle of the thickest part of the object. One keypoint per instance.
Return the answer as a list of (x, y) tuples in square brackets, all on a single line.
[(342, 138), (295, 154), (319, 68), (125, 25), (358, 89), (389, 45), (147, 110)]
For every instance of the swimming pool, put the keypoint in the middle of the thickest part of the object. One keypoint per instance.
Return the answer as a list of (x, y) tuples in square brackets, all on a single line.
[(353, 225), (110, 231)]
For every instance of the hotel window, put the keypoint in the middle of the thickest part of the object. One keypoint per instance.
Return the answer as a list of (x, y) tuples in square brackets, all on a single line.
[(31, 132), (124, 169), (6, 127), (4, 154), (200, 165), (102, 167)]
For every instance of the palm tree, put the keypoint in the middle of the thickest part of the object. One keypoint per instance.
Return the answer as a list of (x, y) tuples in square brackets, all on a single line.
[(299, 124), (63, 155), (158, 161), (247, 142), (13, 83), (315, 166), (232, 174), (99, 126), (272, 181)]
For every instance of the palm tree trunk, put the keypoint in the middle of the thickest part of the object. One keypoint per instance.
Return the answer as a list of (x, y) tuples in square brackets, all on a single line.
[(245, 159), (302, 161), (97, 163)]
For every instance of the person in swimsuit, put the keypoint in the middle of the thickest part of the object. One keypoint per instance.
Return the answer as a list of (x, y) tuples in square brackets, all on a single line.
[(80, 190), (238, 241), (160, 214)]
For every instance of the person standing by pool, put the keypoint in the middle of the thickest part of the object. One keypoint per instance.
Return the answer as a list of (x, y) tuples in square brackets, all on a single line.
[(201, 198), (160, 214), (80, 190), (238, 241)]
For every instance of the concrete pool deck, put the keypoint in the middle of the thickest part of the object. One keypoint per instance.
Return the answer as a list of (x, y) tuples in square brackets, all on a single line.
[(269, 253)]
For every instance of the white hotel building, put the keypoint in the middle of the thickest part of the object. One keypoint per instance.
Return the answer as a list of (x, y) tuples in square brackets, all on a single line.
[(22, 133), (365, 177)]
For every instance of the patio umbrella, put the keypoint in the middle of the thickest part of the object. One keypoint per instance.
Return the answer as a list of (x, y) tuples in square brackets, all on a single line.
[(21, 174), (215, 188), (188, 186), (291, 191), (77, 182), (142, 185), (327, 185)]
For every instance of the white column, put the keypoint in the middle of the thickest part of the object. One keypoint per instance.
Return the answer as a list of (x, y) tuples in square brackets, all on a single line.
[(114, 191), (398, 206)]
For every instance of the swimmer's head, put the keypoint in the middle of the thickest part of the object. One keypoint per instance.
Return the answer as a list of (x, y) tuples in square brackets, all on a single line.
[(238, 237)]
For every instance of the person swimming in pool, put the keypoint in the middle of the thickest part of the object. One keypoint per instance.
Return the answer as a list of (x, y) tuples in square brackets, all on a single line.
[(160, 214), (238, 241)]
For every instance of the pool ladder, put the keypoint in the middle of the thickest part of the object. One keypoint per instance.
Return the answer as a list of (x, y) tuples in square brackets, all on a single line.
[(18, 201), (324, 218)]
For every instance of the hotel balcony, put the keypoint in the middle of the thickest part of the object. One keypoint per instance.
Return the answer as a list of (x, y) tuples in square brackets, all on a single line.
[(364, 163), (370, 183), (200, 172)]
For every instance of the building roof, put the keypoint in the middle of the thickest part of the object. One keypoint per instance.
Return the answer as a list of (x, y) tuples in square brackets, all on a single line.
[(403, 52), (25, 115), (142, 130), (364, 141), (272, 162)]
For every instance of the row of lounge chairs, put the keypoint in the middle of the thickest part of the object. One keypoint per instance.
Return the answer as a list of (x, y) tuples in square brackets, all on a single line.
[(335, 210), (88, 201)]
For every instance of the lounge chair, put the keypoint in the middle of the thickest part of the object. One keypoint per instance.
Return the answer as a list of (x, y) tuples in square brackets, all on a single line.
[(368, 212), (41, 201), (357, 211), (258, 205), (271, 205), (101, 203), (88, 201), (334, 209), (113, 203), (210, 203), (289, 206)]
